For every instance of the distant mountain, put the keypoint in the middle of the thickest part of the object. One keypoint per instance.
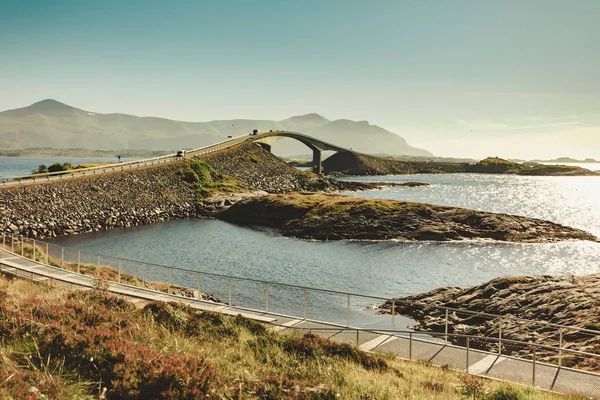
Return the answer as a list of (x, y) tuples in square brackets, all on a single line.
[(50, 123)]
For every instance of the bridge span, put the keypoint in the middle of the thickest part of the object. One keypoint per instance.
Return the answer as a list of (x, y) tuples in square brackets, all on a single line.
[(266, 139), (263, 139)]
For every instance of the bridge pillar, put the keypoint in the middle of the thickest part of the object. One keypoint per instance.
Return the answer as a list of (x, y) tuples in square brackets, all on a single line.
[(316, 165)]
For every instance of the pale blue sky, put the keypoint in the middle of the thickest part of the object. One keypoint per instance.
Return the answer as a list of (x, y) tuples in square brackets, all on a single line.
[(516, 78)]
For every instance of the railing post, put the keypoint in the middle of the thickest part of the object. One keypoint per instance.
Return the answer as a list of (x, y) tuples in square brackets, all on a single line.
[(12, 243), (467, 357), (169, 288), (267, 298), (199, 292), (533, 369), (33, 251), (348, 311), (500, 337), (304, 303), (119, 270), (394, 314), (78, 261), (357, 331), (230, 288), (446, 328), (410, 346), (560, 342), (22, 244)]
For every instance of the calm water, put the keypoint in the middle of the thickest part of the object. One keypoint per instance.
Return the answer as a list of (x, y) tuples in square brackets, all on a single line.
[(17, 166), (380, 269)]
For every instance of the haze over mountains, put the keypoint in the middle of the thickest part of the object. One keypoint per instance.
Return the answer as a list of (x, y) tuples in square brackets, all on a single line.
[(50, 123)]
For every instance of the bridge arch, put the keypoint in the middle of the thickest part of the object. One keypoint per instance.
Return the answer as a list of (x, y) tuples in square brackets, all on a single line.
[(266, 139)]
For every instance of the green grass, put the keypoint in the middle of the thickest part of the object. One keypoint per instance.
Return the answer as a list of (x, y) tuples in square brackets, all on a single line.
[(207, 182)]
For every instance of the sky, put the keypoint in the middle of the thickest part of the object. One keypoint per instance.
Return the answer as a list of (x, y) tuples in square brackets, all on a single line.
[(462, 78)]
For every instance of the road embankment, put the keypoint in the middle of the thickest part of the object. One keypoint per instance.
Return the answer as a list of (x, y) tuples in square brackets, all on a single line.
[(152, 194), (86, 204)]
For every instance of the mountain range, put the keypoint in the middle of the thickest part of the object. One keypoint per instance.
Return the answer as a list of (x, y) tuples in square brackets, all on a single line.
[(50, 123)]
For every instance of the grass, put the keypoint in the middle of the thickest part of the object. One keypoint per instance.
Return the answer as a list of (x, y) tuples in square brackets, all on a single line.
[(58, 344), (336, 204), (207, 182)]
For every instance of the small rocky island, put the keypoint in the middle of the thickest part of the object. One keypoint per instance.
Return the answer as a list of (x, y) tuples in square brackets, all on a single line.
[(565, 300), (495, 165), (336, 217), (341, 164)]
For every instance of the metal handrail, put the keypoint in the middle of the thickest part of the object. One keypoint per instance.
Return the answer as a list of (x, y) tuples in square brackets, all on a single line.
[(348, 294), (84, 170), (494, 316), (395, 332)]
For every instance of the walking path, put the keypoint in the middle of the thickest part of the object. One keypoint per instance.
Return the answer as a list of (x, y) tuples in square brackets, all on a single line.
[(406, 345)]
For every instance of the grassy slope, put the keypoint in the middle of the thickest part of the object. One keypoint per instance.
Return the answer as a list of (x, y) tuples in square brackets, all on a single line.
[(58, 344)]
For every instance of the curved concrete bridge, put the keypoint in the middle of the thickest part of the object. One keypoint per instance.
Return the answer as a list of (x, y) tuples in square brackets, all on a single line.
[(266, 139)]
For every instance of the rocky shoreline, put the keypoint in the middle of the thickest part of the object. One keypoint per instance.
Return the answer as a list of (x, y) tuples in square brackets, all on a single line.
[(335, 217), (566, 300), (150, 195)]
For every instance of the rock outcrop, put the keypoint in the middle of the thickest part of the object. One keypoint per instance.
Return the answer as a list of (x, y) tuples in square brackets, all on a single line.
[(565, 300), (334, 217), (363, 164), (495, 165)]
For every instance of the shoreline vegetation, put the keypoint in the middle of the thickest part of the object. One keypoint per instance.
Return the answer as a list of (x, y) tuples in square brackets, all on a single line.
[(91, 344)]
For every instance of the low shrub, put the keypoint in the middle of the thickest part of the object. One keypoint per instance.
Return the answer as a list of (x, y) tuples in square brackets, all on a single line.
[(173, 316), (312, 346)]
